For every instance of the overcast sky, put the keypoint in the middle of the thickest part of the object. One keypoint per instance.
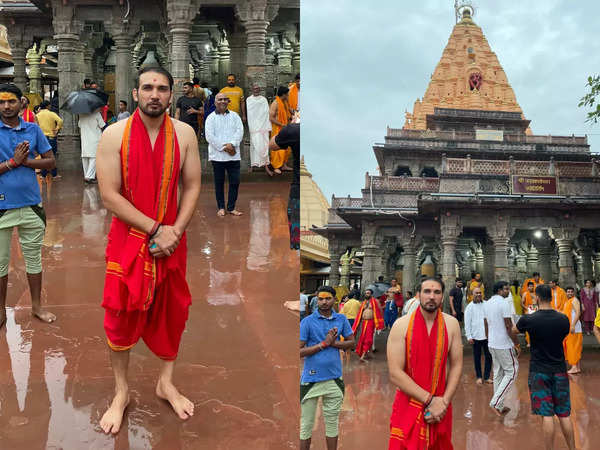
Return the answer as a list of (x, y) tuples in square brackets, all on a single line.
[(365, 62)]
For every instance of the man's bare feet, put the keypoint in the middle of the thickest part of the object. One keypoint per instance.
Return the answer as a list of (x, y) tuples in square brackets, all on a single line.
[(277, 171), (573, 370), (501, 413), (235, 212), (2, 317), (112, 418), (182, 406), (44, 316), (221, 213), (286, 168), (268, 170), (489, 381), (479, 381)]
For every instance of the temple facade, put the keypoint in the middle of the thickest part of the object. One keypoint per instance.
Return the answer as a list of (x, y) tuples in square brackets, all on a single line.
[(466, 186), (110, 40)]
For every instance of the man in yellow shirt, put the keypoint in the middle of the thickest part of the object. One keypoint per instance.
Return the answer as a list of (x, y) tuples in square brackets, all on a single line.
[(236, 97), (50, 123), (350, 309), (476, 282)]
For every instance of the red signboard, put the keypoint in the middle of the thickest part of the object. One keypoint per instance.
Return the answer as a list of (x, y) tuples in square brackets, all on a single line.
[(534, 185)]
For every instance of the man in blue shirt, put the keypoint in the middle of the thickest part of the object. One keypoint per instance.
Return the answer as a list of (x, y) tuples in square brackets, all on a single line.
[(20, 200), (320, 345)]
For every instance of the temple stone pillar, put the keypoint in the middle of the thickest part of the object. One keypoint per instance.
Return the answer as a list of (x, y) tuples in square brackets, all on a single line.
[(34, 57), (450, 229), (295, 57), (500, 233), (409, 269), (284, 68), (180, 15), (521, 261), (544, 257), (370, 243), (213, 67), (335, 254), (479, 260), (345, 269), (554, 265), (532, 261), (67, 30), (564, 237), (596, 257), (19, 41), (237, 57), (224, 61), (587, 269), (123, 35), (255, 17), (489, 264)]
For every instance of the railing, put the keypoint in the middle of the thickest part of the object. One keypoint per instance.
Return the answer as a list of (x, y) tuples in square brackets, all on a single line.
[(314, 239), (537, 168), (396, 133), (346, 202), (417, 184)]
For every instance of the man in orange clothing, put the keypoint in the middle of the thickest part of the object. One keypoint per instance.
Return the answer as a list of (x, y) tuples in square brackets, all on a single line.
[(559, 296), (368, 319), (419, 347), (535, 278), (573, 343), (528, 299), (141, 162), (280, 116), (294, 93)]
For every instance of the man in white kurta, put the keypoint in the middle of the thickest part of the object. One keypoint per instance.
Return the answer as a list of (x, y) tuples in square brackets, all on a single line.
[(259, 126), (90, 127)]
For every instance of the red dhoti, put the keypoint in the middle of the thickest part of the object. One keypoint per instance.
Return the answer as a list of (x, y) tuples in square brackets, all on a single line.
[(365, 341), (144, 296), (426, 357)]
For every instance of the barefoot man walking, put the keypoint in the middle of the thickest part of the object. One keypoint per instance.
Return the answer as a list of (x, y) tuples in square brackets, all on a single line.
[(140, 162)]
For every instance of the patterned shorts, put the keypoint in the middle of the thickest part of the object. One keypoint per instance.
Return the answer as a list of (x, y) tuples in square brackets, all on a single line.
[(550, 394)]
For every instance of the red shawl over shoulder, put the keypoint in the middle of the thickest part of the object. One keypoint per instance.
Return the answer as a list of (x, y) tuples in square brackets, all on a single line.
[(426, 357), (377, 316), (149, 181)]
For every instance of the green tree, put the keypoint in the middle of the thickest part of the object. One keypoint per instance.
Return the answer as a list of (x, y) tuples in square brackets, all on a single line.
[(589, 99)]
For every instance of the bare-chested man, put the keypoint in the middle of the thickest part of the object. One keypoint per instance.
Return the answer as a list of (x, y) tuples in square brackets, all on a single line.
[(368, 319), (418, 349), (140, 163)]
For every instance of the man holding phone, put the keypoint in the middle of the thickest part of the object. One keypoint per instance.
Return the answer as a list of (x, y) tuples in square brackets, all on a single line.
[(320, 345)]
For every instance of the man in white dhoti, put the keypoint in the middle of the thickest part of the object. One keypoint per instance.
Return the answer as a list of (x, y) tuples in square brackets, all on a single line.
[(90, 126), (259, 126)]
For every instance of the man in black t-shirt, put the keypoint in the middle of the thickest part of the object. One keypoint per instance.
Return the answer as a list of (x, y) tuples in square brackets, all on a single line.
[(456, 299), (289, 136), (548, 379), (188, 107)]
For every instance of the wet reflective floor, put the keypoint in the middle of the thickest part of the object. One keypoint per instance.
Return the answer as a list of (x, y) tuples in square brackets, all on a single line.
[(364, 421), (238, 360)]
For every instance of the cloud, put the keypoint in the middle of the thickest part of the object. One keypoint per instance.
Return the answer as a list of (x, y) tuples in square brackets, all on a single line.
[(365, 63)]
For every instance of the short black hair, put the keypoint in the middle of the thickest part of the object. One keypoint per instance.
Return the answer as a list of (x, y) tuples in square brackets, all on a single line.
[(570, 287), (188, 83), (297, 77), (326, 289), (531, 283), (282, 90), (458, 279), (195, 80), (543, 293), (231, 75), (12, 88), (123, 101), (370, 290), (499, 285), (45, 104), (409, 294), (536, 274), (155, 69), (436, 279), (380, 278)]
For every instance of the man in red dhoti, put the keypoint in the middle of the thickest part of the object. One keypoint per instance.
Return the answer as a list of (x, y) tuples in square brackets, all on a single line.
[(368, 319), (419, 347), (140, 163)]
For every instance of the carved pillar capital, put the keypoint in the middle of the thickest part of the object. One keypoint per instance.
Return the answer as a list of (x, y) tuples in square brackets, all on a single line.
[(450, 228)]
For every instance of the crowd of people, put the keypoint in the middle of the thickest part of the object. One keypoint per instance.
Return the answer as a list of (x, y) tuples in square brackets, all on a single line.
[(553, 320)]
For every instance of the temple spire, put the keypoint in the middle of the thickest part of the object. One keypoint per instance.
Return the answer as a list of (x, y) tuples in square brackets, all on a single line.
[(463, 10)]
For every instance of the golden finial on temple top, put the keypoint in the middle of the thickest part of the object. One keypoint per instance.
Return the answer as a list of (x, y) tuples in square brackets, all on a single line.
[(463, 10)]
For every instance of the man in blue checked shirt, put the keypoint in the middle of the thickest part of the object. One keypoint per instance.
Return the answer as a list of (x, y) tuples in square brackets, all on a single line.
[(320, 345)]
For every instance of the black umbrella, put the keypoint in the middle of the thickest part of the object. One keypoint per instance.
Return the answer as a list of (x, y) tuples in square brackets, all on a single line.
[(85, 102), (379, 288)]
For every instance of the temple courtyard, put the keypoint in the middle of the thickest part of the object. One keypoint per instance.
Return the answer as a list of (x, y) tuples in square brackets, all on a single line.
[(238, 360), (364, 421)]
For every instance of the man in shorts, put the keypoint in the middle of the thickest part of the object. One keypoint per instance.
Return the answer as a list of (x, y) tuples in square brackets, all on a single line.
[(20, 200), (320, 347), (548, 379)]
